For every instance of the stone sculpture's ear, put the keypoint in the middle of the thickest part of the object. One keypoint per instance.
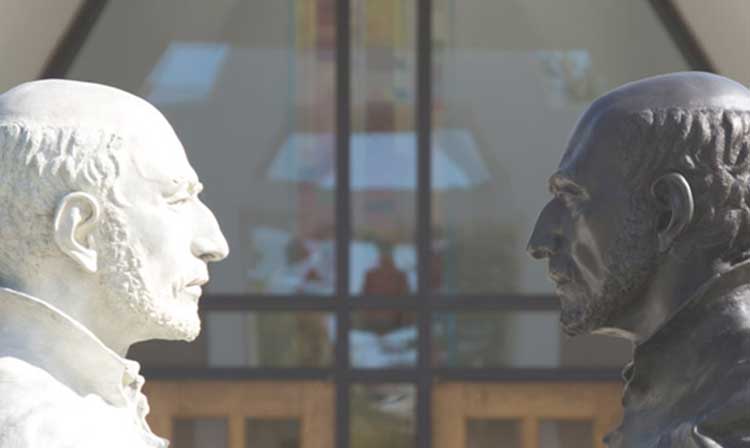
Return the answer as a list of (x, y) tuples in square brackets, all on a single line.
[(674, 199), (75, 221)]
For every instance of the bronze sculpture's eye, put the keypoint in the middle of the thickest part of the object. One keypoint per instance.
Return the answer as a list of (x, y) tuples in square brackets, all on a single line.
[(572, 191)]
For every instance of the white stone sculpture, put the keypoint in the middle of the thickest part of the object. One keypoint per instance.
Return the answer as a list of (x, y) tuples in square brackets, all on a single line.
[(103, 243)]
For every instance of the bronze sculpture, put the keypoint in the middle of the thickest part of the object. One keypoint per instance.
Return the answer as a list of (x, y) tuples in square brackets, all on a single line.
[(647, 237)]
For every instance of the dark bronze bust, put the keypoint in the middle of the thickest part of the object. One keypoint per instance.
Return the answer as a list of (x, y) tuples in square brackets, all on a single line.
[(647, 237)]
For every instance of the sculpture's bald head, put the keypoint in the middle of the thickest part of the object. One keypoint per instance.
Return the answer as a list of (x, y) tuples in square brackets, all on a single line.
[(62, 136), (65, 103), (684, 90), (603, 231), (98, 195)]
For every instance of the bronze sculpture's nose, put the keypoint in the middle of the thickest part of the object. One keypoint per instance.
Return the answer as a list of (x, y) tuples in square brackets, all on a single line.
[(545, 238)]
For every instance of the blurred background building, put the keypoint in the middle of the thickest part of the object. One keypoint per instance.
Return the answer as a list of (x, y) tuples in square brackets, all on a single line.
[(377, 166)]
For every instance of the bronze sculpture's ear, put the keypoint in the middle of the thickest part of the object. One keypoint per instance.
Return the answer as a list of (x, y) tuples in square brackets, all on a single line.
[(75, 221), (674, 198)]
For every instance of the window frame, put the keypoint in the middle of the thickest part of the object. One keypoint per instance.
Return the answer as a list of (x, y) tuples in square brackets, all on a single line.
[(343, 303)]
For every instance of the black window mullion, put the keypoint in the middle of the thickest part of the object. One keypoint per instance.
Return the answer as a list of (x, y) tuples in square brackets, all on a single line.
[(75, 36), (469, 303), (343, 220), (423, 120), (682, 35)]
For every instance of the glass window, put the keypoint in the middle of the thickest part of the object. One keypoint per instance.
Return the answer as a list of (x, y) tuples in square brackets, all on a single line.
[(201, 433), (493, 433), (249, 88), (529, 339), (566, 434), (249, 339), (383, 148), (510, 78), (272, 433), (383, 338), (383, 415)]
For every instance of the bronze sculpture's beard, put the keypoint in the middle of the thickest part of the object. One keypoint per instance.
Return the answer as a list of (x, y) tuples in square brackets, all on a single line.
[(130, 296), (630, 264)]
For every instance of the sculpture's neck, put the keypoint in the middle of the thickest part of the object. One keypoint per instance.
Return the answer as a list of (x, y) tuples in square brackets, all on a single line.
[(673, 284), (674, 373), (80, 298)]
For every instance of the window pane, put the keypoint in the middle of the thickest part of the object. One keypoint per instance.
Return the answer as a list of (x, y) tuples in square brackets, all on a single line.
[(248, 339), (493, 433), (519, 339), (383, 416), (566, 434), (511, 78), (383, 148), (383, 338), (277, 433), (249, 87), (200, 433)]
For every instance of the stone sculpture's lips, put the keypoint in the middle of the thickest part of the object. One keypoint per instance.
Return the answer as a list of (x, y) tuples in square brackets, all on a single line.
[(198, 282), (194, 287)]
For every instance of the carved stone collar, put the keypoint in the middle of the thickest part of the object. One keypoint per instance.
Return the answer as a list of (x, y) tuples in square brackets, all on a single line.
[(40, 334)]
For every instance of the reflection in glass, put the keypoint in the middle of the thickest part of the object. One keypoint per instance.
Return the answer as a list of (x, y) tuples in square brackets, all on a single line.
[(519, 339), (383, 415), (200, 433), (383, 148), (383, 338), (249, 87), (493, 433), (381, 268), (249, 339), (510, 79), (566, 434), (272, 433)]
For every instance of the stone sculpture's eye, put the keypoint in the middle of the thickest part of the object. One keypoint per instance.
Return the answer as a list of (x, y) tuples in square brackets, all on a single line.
[(180, 200)]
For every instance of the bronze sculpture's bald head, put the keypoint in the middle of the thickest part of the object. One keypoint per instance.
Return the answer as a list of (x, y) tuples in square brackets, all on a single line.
[(650, 196)]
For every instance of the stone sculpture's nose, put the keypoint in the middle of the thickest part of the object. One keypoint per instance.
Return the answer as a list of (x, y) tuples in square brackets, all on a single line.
[(209, 243)]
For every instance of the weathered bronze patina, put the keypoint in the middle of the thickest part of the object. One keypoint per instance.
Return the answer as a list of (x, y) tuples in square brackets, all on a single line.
[(647, 237)]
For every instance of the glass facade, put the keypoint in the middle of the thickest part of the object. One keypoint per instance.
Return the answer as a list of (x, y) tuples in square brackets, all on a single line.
[(249, 339), (518, 339), (383, 415), (376, 167), (510, 79)]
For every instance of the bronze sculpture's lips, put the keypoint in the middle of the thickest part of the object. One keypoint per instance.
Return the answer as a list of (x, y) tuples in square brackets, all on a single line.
[(559, 278), (559, 271)]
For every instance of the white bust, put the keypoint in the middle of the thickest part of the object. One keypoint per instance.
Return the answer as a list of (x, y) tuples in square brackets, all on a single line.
[(103, 243)]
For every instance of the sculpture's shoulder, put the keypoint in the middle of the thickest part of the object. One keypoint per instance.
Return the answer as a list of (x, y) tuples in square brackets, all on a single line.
[(21, 379), (36, 410), (728, 423), (725, 423)]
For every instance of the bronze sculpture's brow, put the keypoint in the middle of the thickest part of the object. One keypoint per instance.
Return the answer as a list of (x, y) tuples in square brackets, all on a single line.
[(559, 182)]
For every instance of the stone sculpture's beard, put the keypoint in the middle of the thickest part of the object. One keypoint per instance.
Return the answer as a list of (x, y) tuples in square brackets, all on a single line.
[(630, 264), (127, 291)]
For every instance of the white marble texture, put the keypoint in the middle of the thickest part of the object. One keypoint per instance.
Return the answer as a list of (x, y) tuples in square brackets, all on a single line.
[(103, 243)]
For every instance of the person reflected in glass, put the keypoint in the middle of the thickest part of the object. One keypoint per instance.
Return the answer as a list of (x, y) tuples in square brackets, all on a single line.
[(385, 279)]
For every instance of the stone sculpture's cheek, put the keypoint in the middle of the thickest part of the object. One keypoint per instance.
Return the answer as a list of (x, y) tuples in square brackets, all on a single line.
[(171, 236)]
